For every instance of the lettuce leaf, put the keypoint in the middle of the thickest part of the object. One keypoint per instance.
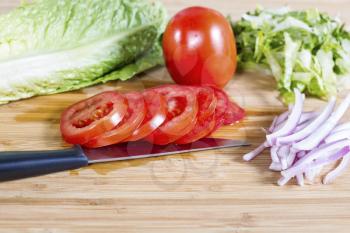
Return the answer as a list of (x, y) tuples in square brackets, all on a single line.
[(52, 46), (307, 49)]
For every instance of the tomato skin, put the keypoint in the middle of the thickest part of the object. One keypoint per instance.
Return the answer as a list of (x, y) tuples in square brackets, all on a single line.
[(181, 117), (156, 112), (221, 107), (203, 128), (199, 48), (207, 101), (205, 124), (234, 113), (134, 117), (92, 117)]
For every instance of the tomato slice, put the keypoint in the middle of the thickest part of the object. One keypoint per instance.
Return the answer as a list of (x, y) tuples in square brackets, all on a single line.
[(135, 114), (234, 113), (205, 118), (156, 112), (206, 101), (202, 129), (181, 117), (90, 118), (221, 107)]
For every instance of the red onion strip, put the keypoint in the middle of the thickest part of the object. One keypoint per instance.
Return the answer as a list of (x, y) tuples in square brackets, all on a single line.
[(311, 156), (340, 135), (251, 155), (272, 127), (309, 129), (341, 127), (300, 179), (274, 154), (330, 177), (311, 173), (275, 167), (292, 121), (321, 132)]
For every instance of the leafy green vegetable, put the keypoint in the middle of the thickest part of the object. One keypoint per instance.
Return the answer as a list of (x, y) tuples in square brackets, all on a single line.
[(302, 49), (52, 46)]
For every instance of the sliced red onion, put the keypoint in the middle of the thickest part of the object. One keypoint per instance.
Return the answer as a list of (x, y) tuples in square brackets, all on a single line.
[(309, 129), (284, 163), (325, 142), (283, 180), (276, 167), (301, 154), (316, 167), (320, 152), (321, 132), (341, 127), (330, 177), (281, 118), (272, 127), (283, 153), (311, 173), (292, 121), (251, 155), (306, 116), (331, 157), (301, 126), (340, 135), (274, 155), (291, 158), (300, 179)]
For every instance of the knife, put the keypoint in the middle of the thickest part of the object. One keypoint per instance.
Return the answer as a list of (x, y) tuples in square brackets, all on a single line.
[(23, 164)]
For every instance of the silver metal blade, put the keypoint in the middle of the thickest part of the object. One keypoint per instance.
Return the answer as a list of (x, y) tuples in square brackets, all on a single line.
[(141, 149)]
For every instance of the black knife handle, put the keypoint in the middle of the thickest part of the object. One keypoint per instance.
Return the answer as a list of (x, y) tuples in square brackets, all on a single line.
[(18, 165)]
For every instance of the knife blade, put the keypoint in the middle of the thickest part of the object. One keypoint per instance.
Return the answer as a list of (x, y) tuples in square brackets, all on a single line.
[(23, 164), (142, 149)]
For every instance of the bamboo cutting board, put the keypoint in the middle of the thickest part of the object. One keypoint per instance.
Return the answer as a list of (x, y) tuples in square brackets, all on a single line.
[(201, 192)]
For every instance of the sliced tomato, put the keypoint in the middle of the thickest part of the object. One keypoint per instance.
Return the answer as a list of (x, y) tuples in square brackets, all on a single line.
[(221, 107), (90, 118), (205, 118), (206, 101), (234, 113), (181, 116), (156, 112), (135, 114), (202, 129)]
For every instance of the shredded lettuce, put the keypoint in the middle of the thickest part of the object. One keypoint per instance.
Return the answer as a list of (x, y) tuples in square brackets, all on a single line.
[(307, 50), (52, 46)]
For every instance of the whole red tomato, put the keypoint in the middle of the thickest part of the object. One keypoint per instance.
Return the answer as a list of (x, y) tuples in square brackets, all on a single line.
[(199, 48)]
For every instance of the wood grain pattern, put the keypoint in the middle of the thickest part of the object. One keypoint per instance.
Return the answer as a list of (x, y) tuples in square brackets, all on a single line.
[(202, 192)]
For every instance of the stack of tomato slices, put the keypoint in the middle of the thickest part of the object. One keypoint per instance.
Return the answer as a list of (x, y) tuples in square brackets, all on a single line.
[(162, 115)]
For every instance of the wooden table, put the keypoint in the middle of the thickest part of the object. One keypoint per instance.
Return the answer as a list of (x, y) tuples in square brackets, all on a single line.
[(202, 192)]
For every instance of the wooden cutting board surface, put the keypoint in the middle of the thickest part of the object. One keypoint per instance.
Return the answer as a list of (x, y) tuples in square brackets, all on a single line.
[(201, 192)]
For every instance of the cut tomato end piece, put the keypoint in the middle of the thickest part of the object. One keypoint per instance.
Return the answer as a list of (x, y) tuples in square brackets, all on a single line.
[(156, 113), (134, 117), (234, 113), (181, 117), (221, 107), (90, 118)]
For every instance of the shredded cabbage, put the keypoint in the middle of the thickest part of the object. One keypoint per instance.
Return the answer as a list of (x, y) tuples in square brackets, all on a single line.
[(307, 50)]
